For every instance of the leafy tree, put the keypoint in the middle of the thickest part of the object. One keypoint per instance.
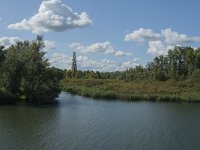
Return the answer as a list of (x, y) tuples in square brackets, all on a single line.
[(27, 73), (12, 69), (197, 58), (178, 64), (2, 56)]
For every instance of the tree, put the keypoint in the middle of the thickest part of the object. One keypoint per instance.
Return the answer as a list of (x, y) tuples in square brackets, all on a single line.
[(74, 66), (178, 64), (197, 58), (12, 69), (27, 73), (2, 56)]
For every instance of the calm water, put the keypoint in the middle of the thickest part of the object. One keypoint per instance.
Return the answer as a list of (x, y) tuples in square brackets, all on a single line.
[(78, 123)]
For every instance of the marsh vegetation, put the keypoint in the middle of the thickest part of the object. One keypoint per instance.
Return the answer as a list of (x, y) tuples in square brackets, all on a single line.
[(173, 77)]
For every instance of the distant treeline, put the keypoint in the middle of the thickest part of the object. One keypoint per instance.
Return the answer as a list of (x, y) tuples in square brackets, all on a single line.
[(26, 74), (179, 64), (171, 77)]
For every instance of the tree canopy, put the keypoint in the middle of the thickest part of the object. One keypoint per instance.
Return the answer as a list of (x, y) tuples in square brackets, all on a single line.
[(179, 64), (26, 73)]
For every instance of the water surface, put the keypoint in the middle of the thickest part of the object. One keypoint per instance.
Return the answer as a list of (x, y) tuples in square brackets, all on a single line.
[(78, 123)]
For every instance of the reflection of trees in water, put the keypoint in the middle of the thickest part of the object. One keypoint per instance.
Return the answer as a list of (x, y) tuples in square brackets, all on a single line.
[(26, 126)]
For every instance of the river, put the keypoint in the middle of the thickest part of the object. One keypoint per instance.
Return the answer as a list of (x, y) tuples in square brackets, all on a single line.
[(78, 123)]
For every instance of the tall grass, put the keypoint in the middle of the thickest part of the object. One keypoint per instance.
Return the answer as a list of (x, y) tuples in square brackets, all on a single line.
[(134, 91)]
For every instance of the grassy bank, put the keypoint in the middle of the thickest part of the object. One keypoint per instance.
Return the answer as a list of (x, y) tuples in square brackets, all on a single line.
[(134, 91)]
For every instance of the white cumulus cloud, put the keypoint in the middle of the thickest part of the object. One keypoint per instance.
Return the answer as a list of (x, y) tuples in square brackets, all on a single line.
[(105, 47), (49, 45), (122, 53), (141, 35), (158, 48), (63, 61), (8, 41), (160, 43), (174, 38), (55, 16)]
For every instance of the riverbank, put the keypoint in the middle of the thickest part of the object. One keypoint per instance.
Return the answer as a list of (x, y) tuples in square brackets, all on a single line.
[(6, 97), (134, 91)]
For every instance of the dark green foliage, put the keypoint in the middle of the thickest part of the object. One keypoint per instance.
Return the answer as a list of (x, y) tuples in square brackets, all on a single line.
[(2, 58), (2, 55), (195, 77), (173, 77), (179, 64), (26, 73), (74, 66)]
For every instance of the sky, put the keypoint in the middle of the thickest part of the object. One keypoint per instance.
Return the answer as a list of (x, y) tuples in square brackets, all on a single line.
[(107, 35)]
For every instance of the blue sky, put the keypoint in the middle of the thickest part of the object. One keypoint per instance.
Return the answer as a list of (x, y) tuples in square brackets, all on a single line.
[(107, 35)]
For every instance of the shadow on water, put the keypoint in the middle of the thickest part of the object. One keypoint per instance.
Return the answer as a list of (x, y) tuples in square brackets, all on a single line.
[(23, 125)]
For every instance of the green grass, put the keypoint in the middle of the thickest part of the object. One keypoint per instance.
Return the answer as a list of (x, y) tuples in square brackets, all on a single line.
[(134, 91)]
